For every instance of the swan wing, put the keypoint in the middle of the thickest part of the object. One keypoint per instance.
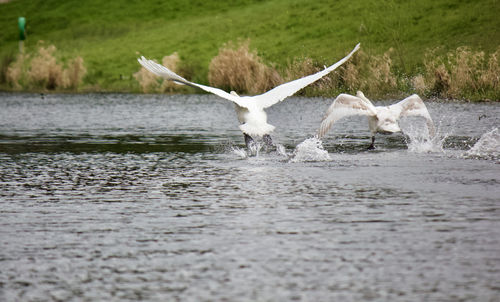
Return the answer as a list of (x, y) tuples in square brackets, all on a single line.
[(414, 106), (345, 105), (279, 93), (168, 74)]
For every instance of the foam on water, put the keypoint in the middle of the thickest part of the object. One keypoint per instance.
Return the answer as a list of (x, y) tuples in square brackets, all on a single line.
[(487, 147), (310, 150)]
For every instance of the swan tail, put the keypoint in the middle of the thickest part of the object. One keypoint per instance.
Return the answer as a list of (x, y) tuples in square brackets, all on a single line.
[(260, 130)]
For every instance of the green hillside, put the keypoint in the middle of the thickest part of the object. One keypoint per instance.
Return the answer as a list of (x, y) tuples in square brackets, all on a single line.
[(110, 35)]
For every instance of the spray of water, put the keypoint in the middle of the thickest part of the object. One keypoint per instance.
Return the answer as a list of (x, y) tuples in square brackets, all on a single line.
[(240, 152), (310, 150), (253, 150), (258, 148), (487, 147), (419, 140)]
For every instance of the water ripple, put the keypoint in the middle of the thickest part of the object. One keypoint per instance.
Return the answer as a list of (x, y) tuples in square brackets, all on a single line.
[(126, 198)]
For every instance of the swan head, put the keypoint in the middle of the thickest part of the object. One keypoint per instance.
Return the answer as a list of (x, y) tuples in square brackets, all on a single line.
[(233, 93), (388, 127), (387, 121)]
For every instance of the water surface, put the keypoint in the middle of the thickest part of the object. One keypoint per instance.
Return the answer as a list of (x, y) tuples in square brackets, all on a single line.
[(132, 197)]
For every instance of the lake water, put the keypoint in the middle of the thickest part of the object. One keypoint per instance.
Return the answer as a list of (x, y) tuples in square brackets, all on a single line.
[(145, 197)]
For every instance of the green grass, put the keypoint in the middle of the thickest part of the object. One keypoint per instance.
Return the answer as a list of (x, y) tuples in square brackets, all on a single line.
[(110, 35)]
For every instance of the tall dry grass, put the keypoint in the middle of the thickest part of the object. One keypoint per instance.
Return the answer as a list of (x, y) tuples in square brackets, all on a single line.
[(459, 74), (370, 73), (73, 75), (238, 68), (466, 67), (44, 71), (350, 76), (491, 76), (147, 80), (382, 76), (4, 66), (298, 68), (15, 72), (171, 62), (150, 83), (301, 67)]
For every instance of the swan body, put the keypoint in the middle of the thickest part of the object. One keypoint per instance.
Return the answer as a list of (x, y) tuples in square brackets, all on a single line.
[(381, 119), (252, 118), (249, 109)]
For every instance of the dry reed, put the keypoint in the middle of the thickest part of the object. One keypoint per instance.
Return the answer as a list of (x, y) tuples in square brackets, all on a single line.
[(351, 76), (73, 75), (298, 68), (14, 72), (172, 63), (465, 69), (4, 66), (382, 77), (371, 74), (44, 71), (459, 74), (491, 76), (238, 68), (418, 83), (147, 80)]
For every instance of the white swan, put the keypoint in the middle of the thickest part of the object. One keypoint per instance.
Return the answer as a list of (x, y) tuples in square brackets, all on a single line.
[(381, 119), (250, 109)]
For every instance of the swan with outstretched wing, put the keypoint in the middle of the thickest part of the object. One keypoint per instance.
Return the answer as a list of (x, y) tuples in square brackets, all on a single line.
[(381, 119), (250, 109)]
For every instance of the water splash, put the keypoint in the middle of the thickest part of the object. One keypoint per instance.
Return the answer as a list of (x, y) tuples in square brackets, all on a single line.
[(240, 152), (257, 149), (419, 140), (254, 148), (310, 150), (487, 147), (281, 150)]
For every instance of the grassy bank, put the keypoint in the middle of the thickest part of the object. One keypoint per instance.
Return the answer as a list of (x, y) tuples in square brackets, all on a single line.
[(395, 35)]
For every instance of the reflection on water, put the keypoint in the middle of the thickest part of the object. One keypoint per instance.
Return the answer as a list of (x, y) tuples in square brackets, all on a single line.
[(124, 197)]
